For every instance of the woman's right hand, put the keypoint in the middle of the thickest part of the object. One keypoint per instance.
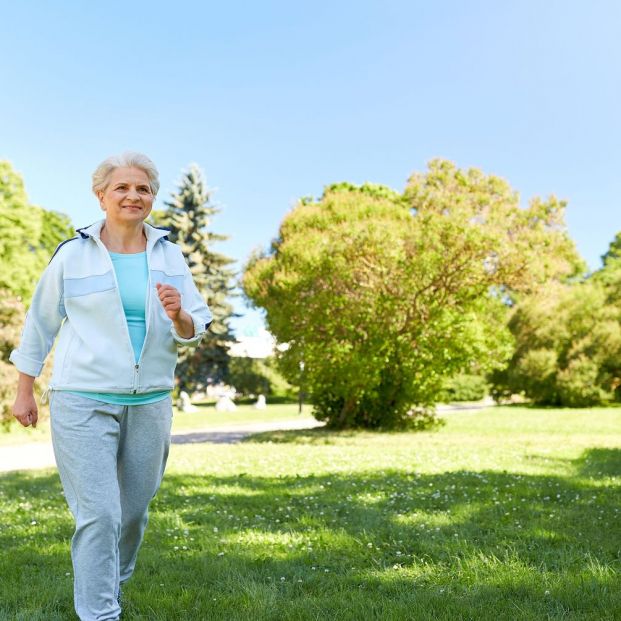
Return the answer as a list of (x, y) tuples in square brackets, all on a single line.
[(25, 407), (25, 410)]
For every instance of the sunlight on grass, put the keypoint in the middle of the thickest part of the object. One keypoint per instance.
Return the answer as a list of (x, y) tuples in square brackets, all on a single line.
[(504, 514)]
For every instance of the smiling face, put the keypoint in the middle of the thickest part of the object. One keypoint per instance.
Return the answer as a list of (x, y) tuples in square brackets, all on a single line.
[(128, 197)]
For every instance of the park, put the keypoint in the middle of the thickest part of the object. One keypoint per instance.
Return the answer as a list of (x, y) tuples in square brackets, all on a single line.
[(368, 255)]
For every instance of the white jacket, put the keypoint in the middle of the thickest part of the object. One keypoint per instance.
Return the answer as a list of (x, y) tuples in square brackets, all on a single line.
[(78, 295)]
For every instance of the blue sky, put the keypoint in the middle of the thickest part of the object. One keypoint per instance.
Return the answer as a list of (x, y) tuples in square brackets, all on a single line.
[(274, 100)]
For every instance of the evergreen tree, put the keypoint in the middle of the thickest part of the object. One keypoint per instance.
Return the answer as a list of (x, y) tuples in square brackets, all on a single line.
[(188, 216)]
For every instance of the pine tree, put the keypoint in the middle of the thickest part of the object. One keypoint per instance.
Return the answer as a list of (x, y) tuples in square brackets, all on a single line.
[(188, 216)]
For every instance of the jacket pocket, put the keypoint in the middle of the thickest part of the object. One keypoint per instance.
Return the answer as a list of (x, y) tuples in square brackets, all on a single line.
[(76, 287), (175, 280)]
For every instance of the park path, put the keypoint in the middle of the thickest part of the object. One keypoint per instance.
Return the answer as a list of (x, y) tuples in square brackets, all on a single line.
[(37, 455)]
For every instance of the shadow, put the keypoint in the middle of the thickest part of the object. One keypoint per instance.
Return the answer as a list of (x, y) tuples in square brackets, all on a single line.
[(217, 437), (597, 462), (389, 544), (315, 435)]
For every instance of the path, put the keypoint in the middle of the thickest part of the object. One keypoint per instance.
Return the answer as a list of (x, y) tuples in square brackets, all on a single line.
[(36, 455)]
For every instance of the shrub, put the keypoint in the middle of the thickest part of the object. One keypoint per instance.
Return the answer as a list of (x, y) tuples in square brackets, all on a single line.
[(464, 387)]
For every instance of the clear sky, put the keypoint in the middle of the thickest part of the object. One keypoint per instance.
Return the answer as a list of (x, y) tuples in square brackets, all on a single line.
[(275, 100)]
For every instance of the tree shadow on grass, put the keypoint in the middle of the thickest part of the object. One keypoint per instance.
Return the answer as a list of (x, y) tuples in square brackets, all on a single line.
[(460, 544), (389, 544)]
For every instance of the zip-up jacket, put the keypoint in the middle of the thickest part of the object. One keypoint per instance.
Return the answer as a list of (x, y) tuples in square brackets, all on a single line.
[(78, 298)]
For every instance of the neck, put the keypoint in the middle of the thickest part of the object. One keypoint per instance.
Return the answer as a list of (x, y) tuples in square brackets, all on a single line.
[(123, 238)]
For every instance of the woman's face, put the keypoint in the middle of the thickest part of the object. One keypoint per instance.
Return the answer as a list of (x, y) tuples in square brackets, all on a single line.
[(128, 197)]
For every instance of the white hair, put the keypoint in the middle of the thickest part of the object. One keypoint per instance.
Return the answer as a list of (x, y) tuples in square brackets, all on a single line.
[(129, 159)]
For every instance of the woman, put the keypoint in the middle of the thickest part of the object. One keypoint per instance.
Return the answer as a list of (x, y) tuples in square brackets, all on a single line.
[(122, 297)]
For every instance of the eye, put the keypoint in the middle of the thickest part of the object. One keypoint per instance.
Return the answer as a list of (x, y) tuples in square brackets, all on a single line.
[(144, 190)]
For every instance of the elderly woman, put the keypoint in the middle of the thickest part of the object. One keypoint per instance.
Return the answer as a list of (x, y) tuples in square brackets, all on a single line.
[(122, 297)]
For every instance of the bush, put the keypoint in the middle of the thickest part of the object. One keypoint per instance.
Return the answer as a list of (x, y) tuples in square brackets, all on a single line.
[(464, 387), (578, 386), (537, 370)]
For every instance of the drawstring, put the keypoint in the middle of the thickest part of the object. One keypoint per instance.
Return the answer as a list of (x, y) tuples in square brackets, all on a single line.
[(45, 396)]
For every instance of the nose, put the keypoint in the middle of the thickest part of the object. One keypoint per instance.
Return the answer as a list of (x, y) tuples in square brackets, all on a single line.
[(133, 195)]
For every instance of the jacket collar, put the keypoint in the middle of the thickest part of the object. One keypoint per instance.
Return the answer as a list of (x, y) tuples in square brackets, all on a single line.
[(153, 233)]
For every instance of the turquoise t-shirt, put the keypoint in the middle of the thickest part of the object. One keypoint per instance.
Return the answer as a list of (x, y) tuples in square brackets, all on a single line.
[(132, 275)]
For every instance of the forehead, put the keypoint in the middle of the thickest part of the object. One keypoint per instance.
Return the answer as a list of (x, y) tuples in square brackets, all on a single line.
[(129, 175)]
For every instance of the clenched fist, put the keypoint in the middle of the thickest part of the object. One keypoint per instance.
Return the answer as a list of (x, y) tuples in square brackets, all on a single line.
[(170, 299)]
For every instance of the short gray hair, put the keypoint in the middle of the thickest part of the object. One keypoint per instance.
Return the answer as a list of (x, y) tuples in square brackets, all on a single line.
[(129, 159)]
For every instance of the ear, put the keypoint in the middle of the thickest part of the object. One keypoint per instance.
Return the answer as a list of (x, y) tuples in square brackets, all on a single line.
[(100, 195)]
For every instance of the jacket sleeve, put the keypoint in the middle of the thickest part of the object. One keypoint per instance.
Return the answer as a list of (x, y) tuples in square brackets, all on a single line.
[(43, 321), (193, 303)]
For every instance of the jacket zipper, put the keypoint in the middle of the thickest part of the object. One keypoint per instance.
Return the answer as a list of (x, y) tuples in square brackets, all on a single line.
[(118, 296), (147, 317)]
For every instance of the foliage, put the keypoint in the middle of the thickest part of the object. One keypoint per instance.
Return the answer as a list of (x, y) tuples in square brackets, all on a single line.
[(188, 216), (464, 387), (568, 347), (254, 376), (383, 295), (12, 313), (29, 235)]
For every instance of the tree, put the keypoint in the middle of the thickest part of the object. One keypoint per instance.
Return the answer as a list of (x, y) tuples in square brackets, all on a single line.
[(30, 236), (188, 216), (383, 295), (568, 347)]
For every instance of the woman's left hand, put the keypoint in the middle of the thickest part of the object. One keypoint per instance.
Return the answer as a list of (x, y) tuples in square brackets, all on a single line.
[(170, 299), (171, 302)]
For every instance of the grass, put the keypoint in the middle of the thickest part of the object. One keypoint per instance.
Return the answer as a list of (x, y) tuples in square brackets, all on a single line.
[(508, 513), (205, 417)]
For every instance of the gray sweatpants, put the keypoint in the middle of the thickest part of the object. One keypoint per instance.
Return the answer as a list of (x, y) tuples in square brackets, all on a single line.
[(111, 459)]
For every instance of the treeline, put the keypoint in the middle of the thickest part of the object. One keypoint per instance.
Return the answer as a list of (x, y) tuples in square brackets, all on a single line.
[(389, 302)]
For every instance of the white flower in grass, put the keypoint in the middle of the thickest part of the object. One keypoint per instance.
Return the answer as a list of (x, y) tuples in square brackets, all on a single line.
[(220, 553)]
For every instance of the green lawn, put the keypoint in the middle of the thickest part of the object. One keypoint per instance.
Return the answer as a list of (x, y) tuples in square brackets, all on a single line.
[(503, 514)]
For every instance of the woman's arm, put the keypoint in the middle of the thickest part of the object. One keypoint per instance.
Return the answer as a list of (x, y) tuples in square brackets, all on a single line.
[(43, 320), (190, 325)]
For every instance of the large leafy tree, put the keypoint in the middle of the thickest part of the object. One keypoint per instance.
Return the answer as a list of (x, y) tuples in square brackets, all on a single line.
[(188, 215), (568, 340), (383, 295), (30, 235), (568, 347)]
